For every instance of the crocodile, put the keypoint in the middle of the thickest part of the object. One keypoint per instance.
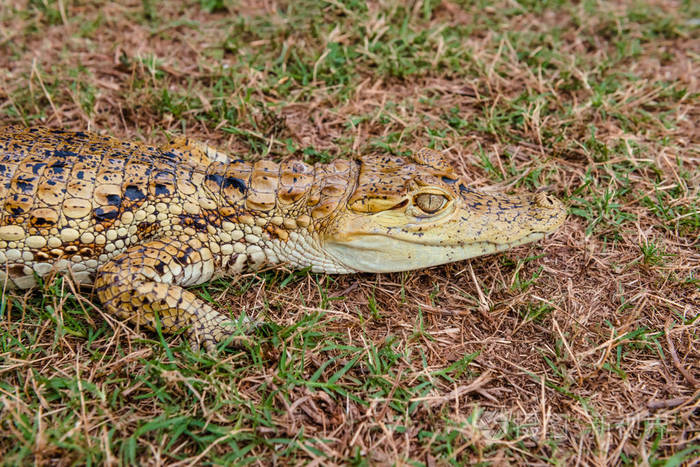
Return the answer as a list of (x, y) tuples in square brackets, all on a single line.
[(141, 223)]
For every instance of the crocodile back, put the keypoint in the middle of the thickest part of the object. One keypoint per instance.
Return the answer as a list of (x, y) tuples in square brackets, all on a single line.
[(72, 200)]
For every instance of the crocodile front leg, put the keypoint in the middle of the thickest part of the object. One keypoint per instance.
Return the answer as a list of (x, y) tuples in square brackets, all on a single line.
[(149, 279)]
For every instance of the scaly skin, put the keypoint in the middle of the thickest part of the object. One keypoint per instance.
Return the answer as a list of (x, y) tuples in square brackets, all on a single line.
[(142, 223)]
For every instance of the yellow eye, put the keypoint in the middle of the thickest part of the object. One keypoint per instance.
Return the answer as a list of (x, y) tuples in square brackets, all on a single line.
[(430, 203)]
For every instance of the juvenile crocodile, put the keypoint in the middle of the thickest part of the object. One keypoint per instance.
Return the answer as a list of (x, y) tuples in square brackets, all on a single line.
[(141, 223)]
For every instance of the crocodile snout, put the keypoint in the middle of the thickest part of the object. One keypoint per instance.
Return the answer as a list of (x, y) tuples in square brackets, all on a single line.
[(547, 213)]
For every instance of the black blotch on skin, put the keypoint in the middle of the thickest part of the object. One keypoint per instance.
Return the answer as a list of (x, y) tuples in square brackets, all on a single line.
[(133, 193), (58, 166), (162, 190), (102, 214), (36, 167), (64, 154), (216, 178), (40, 222), (237, 183), (464, 189), (146, 230), (449, 180), (160, 268), (24, 186), (182, 256), (198, 223), (114, 200)]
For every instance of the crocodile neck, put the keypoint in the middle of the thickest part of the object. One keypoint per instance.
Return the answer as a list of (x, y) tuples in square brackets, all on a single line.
[(268, 213)]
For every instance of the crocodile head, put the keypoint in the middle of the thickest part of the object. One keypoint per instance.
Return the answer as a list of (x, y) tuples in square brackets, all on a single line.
[(415, 213)]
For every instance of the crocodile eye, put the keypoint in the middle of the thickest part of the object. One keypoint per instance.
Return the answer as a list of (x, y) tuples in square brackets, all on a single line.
[(430, 203)]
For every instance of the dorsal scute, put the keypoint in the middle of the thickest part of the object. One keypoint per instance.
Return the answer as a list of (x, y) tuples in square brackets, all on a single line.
[(262, 193), (237, 180), (296, 179)]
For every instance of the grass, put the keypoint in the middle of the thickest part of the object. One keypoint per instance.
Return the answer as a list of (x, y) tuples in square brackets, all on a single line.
[(582, 348)]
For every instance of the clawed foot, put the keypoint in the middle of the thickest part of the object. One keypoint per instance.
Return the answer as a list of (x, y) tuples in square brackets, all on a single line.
[(225, 334)]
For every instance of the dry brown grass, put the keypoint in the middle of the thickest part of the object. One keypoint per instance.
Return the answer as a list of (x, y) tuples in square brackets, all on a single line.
[(594, 362)]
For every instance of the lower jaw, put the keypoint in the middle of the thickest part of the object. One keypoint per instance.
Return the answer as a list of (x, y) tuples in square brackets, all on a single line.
[(382, 254)]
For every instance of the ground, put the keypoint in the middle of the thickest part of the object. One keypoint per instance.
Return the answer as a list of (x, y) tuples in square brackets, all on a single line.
[(581, 348)]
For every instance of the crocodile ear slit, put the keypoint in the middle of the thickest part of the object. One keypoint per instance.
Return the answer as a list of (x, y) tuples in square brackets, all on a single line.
[(400, 205)]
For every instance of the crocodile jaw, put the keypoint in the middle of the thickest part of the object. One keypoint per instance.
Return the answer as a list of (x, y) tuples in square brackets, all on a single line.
[(378, 253)]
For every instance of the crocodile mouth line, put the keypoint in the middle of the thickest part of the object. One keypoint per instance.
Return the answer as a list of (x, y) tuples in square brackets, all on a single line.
[(497, 246), (531, 237)]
